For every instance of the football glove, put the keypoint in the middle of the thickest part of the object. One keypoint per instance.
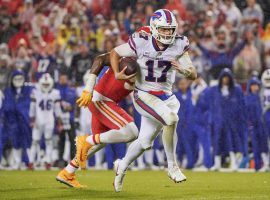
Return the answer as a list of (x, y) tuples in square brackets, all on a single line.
[(85, 99)]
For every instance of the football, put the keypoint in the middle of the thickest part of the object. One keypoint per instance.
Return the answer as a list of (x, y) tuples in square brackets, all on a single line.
[(131, 64)]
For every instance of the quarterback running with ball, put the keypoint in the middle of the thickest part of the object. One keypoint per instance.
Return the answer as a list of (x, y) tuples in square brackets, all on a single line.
[(160, 55)]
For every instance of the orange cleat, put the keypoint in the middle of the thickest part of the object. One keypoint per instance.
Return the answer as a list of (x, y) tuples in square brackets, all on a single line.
[(69, 179), (82, 148)]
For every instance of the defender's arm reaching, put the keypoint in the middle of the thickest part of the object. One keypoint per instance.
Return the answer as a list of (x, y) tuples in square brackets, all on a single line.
[(99, 62)]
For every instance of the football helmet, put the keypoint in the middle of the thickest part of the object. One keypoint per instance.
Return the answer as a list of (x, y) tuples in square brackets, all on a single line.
[(266, 78), (46, 83), (163, 18)]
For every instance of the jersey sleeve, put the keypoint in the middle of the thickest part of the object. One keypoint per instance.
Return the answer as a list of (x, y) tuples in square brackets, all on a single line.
[(182, 43), (134, 46), (125, 50)]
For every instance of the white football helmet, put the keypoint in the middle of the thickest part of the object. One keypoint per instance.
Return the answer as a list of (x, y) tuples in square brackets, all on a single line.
[(266, 78), (163, 18), (46, 83)]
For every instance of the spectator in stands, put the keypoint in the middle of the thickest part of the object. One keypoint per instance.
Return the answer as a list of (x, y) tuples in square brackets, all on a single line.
[(247, 61), (6, 30), (4, 71), (233, 14), (253, 14), (221, 57), (80, 63)]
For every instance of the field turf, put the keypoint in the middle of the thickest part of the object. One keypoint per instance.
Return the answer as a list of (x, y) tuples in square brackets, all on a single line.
[(138, 185)]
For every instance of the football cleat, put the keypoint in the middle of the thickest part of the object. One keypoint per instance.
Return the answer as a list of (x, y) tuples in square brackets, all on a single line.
[(82, 147), (119, 177), (69, 179), (176, 175)]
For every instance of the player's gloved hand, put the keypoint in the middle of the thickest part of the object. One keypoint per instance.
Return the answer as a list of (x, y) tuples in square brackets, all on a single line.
[(85, 99), (122, 76)]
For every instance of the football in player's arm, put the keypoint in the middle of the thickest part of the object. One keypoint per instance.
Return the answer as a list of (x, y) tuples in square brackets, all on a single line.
[(183, 64)]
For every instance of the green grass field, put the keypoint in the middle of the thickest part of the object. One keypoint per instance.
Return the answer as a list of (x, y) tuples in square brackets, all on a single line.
[(138, 185)]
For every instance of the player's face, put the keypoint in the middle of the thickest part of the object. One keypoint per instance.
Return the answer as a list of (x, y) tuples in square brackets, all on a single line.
[(254, 88), (166, 31)]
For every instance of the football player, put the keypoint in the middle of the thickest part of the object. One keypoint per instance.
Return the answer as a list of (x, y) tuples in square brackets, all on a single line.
[(110, 123), (45, 103), (160, 56), (266, 112)]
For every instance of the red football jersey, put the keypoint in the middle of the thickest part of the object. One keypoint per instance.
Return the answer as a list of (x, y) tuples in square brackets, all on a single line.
[(113, 89)]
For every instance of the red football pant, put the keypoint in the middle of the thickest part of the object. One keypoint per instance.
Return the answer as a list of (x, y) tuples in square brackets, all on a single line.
[(107, 115)]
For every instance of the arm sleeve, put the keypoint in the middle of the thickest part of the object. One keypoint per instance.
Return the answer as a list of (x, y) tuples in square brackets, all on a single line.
[(236, 50), (185, 60), (126, 50)]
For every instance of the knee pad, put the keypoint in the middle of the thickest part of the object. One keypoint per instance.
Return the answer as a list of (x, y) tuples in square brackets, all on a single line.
[(171, 118)]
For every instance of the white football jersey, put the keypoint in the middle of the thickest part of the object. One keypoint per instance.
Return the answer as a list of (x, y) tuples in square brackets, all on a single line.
[(45, 105), (156, 72), (266, 99)]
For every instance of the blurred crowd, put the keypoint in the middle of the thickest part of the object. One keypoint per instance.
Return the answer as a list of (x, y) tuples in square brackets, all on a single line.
[(228, 39)]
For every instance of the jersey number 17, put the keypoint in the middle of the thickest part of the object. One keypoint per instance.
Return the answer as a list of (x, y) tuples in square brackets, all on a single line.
[(151, 64)]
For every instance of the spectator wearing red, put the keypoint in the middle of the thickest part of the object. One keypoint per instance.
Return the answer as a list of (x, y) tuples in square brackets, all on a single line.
[(22, 35), (176, 5)]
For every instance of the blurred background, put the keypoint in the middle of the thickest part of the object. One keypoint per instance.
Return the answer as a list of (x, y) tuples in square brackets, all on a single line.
[(224, 114)]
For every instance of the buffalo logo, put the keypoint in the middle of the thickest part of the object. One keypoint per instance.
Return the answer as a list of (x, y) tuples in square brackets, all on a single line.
[(156, 15)]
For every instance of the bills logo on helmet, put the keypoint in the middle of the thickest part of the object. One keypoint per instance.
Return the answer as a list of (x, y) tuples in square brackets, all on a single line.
[(156, 15)]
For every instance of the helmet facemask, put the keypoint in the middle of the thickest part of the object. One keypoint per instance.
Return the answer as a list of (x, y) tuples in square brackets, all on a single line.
[(166, 38), (46, 83)]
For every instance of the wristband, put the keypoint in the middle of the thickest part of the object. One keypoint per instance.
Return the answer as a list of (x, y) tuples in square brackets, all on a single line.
[(90, 83)]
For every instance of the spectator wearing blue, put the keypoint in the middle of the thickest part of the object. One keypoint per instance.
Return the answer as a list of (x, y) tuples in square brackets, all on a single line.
[(16, 122), (68, 103), (200, 122), (255, 124), (186, 138), (228, 119), (222, 56)]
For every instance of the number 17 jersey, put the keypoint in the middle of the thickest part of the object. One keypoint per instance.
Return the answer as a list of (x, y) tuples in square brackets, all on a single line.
[(156, 73)]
